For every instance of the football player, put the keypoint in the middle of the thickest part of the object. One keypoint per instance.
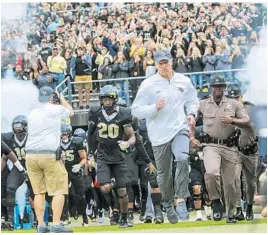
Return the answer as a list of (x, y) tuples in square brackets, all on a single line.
[(74, 157), (16, 141), (112, 123)]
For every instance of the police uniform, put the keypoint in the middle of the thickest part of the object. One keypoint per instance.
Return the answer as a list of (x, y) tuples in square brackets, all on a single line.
[(220, 153), (247, 161), (111, 160)]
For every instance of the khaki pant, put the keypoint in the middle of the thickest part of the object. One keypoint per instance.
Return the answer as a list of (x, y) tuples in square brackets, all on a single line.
[(247, 163), (47, 174), (220, 159)]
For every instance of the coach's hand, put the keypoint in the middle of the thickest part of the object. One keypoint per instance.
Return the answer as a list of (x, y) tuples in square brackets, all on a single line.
[(76, 168), (160, 104), (124, 145)]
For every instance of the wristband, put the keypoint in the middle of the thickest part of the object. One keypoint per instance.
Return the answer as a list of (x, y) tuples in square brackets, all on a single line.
[(19, 166)]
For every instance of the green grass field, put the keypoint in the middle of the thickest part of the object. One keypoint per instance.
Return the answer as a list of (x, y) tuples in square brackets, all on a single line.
[(221, 226)]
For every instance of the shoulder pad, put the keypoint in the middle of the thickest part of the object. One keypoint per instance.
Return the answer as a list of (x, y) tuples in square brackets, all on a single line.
[(126, 112), (94, 109), (77, 140), (7, 136)]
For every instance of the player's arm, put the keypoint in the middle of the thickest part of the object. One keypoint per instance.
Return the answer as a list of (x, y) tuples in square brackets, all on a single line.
[(130, 136), (83, 157), (11, 156), (91, 136), (3, 162), (82, 154)]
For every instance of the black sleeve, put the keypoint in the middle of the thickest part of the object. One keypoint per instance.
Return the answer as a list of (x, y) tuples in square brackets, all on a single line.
[(5, 149), (92, 134), (141, 149)]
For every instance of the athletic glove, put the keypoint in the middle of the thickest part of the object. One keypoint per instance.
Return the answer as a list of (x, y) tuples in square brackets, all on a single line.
[(76, 168), (124, 145)]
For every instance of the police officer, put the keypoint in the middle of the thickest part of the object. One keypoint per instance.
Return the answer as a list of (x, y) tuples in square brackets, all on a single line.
[(221, 115), (247, 159)]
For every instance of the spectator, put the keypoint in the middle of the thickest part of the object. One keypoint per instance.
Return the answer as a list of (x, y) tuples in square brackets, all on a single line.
[(19, 73), (136, 70), (34, 74), (196, 66), (149, 64), (121, 69), (45, 78), (26, 64), (81, 68), (209, 61), (180, 64), (57, 65), (44, 53)]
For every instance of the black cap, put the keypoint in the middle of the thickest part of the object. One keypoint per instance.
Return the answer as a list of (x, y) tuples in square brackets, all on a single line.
[(45, 93), (234, 91), (218, 80)]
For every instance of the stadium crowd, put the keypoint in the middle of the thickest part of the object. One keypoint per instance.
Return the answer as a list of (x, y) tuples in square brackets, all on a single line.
[(91, 41), (94, 41)]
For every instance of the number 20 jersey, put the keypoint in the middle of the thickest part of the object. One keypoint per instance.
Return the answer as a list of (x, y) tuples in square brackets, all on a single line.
[(110, 129)]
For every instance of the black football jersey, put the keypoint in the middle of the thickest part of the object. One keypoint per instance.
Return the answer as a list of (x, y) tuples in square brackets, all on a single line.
[(110, 130), (70, 152), (18, 147)]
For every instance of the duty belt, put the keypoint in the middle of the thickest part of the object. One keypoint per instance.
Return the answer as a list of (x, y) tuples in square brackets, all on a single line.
[(217, 141), (249, 149)]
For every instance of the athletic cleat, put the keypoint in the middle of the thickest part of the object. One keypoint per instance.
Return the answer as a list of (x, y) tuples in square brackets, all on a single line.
[(114, 219), (123, 223), (148, 220), (130, 219)]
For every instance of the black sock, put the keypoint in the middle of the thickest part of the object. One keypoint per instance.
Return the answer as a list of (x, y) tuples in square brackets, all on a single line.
[(156, 198), (249, 206), (124, 215)]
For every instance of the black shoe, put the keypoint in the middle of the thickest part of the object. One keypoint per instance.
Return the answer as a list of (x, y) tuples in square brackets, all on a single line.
[(148, 220), (114, 220), (249, 213), (217, 210), (130, 219), (239, 216), (81, 107), (87, 106), (142, 216), (231, 220), (85, 220), (123, 222), (158, 215)]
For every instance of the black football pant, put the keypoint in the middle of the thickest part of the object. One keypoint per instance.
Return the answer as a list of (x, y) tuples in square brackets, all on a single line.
[(76, 198)]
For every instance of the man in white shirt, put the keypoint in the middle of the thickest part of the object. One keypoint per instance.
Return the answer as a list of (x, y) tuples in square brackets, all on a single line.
[(169, 103), (47, 174)]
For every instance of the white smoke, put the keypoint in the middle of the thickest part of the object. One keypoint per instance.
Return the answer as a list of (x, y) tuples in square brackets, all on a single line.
[(256, 74), (10, 11), (17, 98)]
